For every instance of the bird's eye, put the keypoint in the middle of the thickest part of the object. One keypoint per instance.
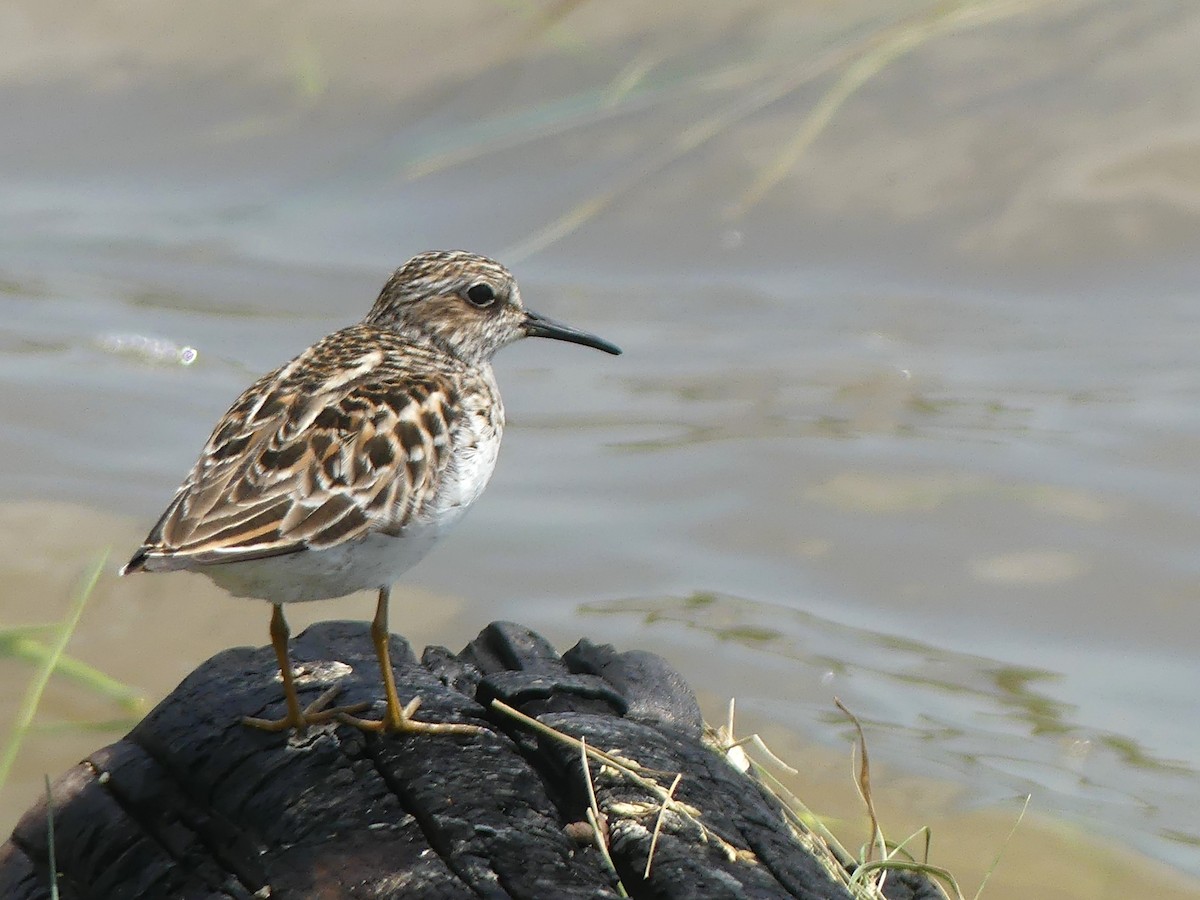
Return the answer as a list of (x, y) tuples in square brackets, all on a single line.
[(481, 295)]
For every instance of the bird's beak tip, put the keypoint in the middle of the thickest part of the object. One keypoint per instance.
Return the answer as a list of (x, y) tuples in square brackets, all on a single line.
[(539, 326)]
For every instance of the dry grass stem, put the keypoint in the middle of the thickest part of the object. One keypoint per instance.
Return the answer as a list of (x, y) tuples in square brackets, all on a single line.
[(628, 768), (863, 782), (863, 878), (729, 742), (633, 772), (51, 855), (597, 819), (662, 811)]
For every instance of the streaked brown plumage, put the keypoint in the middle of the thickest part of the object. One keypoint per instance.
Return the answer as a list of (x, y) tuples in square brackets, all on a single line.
[(338, 471), (309, 458)]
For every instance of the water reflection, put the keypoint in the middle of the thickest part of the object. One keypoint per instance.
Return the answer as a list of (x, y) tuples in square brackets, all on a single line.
[(1009, 725)]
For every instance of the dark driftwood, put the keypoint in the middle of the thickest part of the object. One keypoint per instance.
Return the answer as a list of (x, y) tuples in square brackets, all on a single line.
[(191, 804)]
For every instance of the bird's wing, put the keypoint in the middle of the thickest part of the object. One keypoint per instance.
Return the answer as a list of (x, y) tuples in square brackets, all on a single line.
[(310, 456)]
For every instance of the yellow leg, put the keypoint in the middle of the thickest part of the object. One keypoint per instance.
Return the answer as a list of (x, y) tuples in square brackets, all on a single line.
[(297, 718), (397, 718), (381, 638)]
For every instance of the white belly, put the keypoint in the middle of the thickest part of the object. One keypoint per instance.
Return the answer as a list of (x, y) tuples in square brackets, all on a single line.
[(369, 563)]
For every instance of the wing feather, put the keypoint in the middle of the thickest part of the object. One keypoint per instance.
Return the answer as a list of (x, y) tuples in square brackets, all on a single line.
[(307, 457)]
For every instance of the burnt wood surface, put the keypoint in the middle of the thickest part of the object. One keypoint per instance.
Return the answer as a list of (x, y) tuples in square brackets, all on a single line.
[(192, 804)]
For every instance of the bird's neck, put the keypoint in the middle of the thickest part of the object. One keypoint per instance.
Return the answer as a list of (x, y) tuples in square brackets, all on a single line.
[(444, 344)]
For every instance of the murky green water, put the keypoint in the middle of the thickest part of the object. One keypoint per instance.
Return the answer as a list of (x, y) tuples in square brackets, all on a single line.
[(914, 424)]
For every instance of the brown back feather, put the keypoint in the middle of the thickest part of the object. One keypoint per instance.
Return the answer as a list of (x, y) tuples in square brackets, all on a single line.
[(351, 437)]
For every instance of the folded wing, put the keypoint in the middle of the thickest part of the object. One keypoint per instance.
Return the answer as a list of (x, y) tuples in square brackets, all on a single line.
[(305, 460)]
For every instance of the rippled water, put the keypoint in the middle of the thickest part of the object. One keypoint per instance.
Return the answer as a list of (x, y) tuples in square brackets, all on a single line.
[(915, 426)]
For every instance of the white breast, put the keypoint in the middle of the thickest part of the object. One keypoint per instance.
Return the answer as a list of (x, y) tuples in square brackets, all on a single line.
[(476, 444)]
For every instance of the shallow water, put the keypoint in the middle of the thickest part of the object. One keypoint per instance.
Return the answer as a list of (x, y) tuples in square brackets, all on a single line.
[(917, 428)]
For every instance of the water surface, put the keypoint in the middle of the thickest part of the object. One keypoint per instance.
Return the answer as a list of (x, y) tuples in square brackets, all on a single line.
[(914, 425)]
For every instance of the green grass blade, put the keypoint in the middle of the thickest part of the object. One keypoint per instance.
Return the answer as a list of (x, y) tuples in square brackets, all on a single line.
[(1000, 852), (28, 649), (17, 632), (33, 694)]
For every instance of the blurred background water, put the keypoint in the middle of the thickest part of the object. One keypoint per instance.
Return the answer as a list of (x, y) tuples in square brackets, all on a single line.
[(909, 411)]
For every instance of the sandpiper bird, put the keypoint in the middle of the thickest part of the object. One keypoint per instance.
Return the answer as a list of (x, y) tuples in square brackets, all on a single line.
[(339, 470)]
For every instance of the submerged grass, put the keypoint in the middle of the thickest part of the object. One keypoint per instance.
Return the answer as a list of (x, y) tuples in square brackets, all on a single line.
[(730, 91), (888, 47)]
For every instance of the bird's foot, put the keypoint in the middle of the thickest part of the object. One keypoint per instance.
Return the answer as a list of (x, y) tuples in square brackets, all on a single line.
[(313, 714), (400, 721)]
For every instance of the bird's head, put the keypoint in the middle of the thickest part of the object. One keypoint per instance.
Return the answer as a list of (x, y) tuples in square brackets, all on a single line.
[(467, 305)]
